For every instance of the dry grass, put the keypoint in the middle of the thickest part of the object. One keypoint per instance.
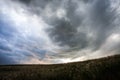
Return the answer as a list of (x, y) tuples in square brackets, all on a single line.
[(100, 69)]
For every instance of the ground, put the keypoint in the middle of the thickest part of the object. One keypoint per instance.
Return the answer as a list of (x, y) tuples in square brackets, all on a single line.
[(107, 68)]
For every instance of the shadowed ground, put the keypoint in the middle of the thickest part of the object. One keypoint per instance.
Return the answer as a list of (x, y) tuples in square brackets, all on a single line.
[(98, 69)]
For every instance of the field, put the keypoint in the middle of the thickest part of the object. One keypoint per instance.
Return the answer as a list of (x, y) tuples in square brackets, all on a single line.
[(98, 69)]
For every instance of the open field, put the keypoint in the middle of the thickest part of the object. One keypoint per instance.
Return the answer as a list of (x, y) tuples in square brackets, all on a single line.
[(98, 69)]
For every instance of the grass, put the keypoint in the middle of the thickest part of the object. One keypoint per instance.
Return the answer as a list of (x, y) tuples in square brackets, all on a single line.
[(98, 69)]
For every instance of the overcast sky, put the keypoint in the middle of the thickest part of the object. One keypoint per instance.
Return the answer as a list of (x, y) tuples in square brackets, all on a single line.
[(58, 31)]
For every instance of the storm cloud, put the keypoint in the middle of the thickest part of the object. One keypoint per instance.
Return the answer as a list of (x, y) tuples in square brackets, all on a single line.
[(58, 31)]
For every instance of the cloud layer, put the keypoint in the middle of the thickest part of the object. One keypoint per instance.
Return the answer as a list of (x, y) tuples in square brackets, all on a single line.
[(58, 31)]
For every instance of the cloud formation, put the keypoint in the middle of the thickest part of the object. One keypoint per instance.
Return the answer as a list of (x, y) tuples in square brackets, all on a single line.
[(58, 31)]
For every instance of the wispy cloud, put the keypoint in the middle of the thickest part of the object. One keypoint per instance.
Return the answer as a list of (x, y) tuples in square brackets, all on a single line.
[(57, 31)]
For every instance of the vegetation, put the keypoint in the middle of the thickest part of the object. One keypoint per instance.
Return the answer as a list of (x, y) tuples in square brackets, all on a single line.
[(99, 69)]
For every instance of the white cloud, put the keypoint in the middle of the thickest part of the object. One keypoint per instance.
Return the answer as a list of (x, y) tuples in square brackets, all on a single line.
[(86, 22)]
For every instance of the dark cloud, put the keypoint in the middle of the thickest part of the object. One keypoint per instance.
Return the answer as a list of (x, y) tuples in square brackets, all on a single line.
[(41, 53), (25, 1), (6, 30), (100, 22), (6, 33), (101, 18), (92, 16), (6, 60), (4, 47), (66, 35), (75, 28)]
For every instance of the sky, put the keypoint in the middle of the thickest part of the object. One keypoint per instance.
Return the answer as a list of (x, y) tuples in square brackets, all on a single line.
[(58, 31)]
